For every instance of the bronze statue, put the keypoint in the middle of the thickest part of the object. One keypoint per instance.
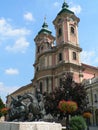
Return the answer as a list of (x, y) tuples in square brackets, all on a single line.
[(22, 110)]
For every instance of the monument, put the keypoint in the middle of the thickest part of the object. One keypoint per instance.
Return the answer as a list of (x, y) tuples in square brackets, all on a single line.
[(27, 107), (27, 113)]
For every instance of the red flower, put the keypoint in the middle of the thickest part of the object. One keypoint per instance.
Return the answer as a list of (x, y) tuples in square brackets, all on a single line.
[(67, 106), (4, 110), (71, 106), (62, 105)]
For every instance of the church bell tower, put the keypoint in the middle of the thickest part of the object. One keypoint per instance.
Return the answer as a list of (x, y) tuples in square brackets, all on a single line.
[(66, 26)]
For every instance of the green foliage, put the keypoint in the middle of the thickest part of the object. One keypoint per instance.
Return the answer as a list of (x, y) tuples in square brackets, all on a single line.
[(69, 90), (1, 106), (77, 123)]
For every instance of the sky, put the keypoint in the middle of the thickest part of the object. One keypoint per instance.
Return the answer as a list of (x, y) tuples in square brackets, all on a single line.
[(20, 22)]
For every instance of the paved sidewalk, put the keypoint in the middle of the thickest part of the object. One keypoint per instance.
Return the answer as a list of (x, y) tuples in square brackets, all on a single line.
[(93, 128)]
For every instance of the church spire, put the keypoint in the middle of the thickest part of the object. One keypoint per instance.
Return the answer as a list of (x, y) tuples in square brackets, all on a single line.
[(44, 28), (45, 25), (65, 5)]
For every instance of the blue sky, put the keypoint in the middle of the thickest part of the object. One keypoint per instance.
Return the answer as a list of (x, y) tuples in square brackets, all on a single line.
[(20, 21)]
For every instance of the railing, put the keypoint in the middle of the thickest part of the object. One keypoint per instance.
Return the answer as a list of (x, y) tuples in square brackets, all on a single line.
[(94, 80)]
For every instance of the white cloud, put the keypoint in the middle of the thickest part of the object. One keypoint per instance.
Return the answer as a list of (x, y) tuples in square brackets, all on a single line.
[(76, 9), (20, 45), (1, 86), (11, 71), (29, 17), (56, 4), (18, 36), (5, 90), (7, 30), (88, 56)]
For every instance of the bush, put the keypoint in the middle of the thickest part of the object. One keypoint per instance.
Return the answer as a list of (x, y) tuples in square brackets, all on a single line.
[(1, 106), (77, 123)]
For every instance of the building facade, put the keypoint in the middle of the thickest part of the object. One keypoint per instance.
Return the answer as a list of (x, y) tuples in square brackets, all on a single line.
[(53, 61), (57, 55), (92, 97)]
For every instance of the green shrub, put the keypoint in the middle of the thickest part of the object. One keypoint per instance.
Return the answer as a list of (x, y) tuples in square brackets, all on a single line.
[(77, 123), (1, 106)]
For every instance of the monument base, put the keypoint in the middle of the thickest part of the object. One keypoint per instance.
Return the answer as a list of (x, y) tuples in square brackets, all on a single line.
[(40, 125)]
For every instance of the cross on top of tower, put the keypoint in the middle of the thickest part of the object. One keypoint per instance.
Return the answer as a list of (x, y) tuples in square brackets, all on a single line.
[(45, 28), (45, 19), (45, 25), (65, 5)]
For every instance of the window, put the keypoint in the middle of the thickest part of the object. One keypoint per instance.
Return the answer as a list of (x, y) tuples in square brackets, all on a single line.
[(72, 30), (37, 68), (87, 98), (95, 97), (60, 56), (59, 32), (38, 49), (41, 87), (59, 20), (74, 56), (42, 48), (60, 82)]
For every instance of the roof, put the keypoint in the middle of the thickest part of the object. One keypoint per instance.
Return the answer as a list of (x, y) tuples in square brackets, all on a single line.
[(22, 88), (89, 66), (44, 29), (65, 9)]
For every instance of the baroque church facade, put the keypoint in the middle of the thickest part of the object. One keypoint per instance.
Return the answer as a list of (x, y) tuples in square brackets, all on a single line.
[(52, 61), (58, 55)]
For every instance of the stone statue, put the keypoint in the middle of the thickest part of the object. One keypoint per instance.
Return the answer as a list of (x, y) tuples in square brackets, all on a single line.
[(32, 110)]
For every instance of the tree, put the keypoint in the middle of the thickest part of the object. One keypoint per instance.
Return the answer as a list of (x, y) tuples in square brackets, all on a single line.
[(1, 106), (69, 90)]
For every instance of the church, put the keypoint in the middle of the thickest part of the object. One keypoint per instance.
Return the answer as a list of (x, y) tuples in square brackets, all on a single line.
[(57, 55)]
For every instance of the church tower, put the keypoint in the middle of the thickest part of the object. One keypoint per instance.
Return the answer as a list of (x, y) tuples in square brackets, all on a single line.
[(43, 60), (66, 26)]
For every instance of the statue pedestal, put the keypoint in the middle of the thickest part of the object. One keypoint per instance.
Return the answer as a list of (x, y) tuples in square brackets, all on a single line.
[(40, 125)]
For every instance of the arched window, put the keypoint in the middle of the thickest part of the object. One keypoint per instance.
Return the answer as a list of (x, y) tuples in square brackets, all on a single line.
[(95, 97), (72, 30), (60, 82), (42, 48), (59, 32), (74, 56), (41, 89), (60, 56), (38, 49), (37, 68)]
